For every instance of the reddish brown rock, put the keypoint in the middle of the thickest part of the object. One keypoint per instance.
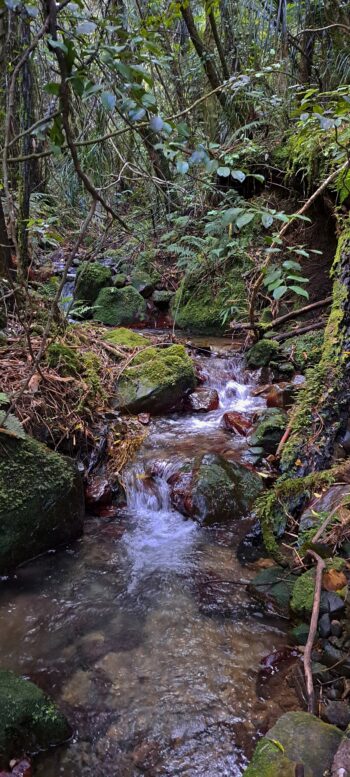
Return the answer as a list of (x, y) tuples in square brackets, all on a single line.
[(203, 400), (144, 418), (181, 492), (22, 769), (237, 423), (98, 493), (281, 396)]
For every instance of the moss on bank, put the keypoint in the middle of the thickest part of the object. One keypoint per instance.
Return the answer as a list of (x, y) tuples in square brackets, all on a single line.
[(126, 338)]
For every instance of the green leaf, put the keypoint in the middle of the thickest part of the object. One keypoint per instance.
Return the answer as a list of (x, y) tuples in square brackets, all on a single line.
[(301, 292), (108, 100), (279, 292), (298, 278), (266, 220), (85, 28), (58, 44), (301, 252), (290, 265), (223, 172), (244, 219), (4, 398), (238, 175), (231, 215), (12, 425), (182, 166)]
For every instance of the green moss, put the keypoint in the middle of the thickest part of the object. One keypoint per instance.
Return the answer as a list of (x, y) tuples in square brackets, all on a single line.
[(156, 379), (262, 353), (91, 278), (116, 307), (269, 761), (201, 300), (126, 338), (303, 593), (269, 429), (41, 500), (29, 721), (62, 356), (305, 349), (120, 280), (91, 374)]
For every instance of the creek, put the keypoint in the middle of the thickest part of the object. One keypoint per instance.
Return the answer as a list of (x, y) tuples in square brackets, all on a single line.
[(142, 631)]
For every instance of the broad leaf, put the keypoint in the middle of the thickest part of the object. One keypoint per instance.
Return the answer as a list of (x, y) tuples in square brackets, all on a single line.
[(301, 292), (223, 172), (279, 292), (244, 219)]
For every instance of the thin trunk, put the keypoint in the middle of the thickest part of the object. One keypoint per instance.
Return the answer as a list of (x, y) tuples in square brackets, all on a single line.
[(5, 247), (26, 167), (218, 44), (205, 56)]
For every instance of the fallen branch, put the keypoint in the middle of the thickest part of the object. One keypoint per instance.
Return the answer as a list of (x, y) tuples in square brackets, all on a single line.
[(281, 319), (301, 330), (312, 632), (284, 439)]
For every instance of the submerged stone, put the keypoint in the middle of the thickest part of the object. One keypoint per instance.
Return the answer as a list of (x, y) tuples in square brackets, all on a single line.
[(297, 738), (41, 501), (115, 307), (29, 720), (273, 588), (156, 380)]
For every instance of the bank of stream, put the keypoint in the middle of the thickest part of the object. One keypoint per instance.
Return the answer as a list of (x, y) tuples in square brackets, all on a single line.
[(142, 631)]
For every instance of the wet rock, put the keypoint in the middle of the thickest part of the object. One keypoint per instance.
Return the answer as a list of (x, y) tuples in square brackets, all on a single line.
[(300, 633), (41, 501), (324, 626), (251, 547), (90, 279), (237, 423), (162, 298), (22, 768), (119, 307), (331, 603), (281, 396), (156, 381), (273, 587), (213, 490), (262, 353), (341, 763), (144, 418), (269, 430), (29, 721), (203, 400), (98, 493), (323, 504), (297, 738), (336, 628), (337, 713), (334, 657)]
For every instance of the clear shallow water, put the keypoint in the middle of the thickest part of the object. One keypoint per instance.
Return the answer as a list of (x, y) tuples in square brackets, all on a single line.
[(142, 631)]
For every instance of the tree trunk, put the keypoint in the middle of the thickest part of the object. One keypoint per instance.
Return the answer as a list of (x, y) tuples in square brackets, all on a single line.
[(320, 418), (26, 167), (218, 44), (5, 247), (205, 56)]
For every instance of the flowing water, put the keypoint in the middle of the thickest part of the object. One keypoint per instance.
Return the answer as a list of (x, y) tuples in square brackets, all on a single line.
[(142, 631)]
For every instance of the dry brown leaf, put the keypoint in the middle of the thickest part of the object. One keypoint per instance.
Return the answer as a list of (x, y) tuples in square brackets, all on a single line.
[(34, 382), (333, 580)]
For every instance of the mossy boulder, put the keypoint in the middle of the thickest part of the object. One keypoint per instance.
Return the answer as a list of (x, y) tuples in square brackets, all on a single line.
[(305, 350), (126, 338), (296, 738), (303, 593), (261, 353), (213, 490), (269, 430), (41, 500), (117, 307), (142, 282), (199, 302), (120, 280), (156, 381), (91, 278), (273, 587), (63, 356), (29, 721)]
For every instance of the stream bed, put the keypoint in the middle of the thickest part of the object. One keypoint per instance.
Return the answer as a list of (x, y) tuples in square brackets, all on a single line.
[(142, 631)]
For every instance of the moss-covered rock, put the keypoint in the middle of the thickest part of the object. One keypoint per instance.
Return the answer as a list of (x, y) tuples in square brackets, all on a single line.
[(120, 280), (116, 307), (91, 278), (303, 593), (200, 301), (305, 350), (142, 282), (162, 298), (269, 430), (261, 353), (41, 500), (156, 381), (126, 338), (63, 356), (296, 738), (223, 490), (29, 721)]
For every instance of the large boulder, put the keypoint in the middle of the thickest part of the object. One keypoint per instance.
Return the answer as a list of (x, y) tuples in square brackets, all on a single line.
[(200, 300), (297, 738), (213, 490), (41, 500), (91, 278), (156, 381), (29, 721), (142, 282), (117, 307)]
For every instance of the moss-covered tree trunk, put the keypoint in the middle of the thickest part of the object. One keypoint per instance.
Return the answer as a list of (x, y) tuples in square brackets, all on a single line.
[(321, 415)]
